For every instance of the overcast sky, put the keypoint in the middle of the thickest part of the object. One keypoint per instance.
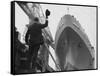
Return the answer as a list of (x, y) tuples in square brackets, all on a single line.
[(85, 15)]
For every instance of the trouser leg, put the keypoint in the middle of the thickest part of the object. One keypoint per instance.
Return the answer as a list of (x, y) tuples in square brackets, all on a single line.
[(33, 56)]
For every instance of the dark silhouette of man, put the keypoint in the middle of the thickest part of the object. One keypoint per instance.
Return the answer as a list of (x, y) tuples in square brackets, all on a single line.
[(34, 39)]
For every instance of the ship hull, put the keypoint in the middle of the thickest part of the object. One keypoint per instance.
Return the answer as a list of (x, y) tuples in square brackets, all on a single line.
[(73, 49)]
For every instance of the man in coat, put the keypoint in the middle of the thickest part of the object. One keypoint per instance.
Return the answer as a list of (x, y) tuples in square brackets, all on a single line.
[(34, 39)]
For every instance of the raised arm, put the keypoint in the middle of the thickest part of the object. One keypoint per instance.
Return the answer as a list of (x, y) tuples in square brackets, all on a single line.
[(43, 25)]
